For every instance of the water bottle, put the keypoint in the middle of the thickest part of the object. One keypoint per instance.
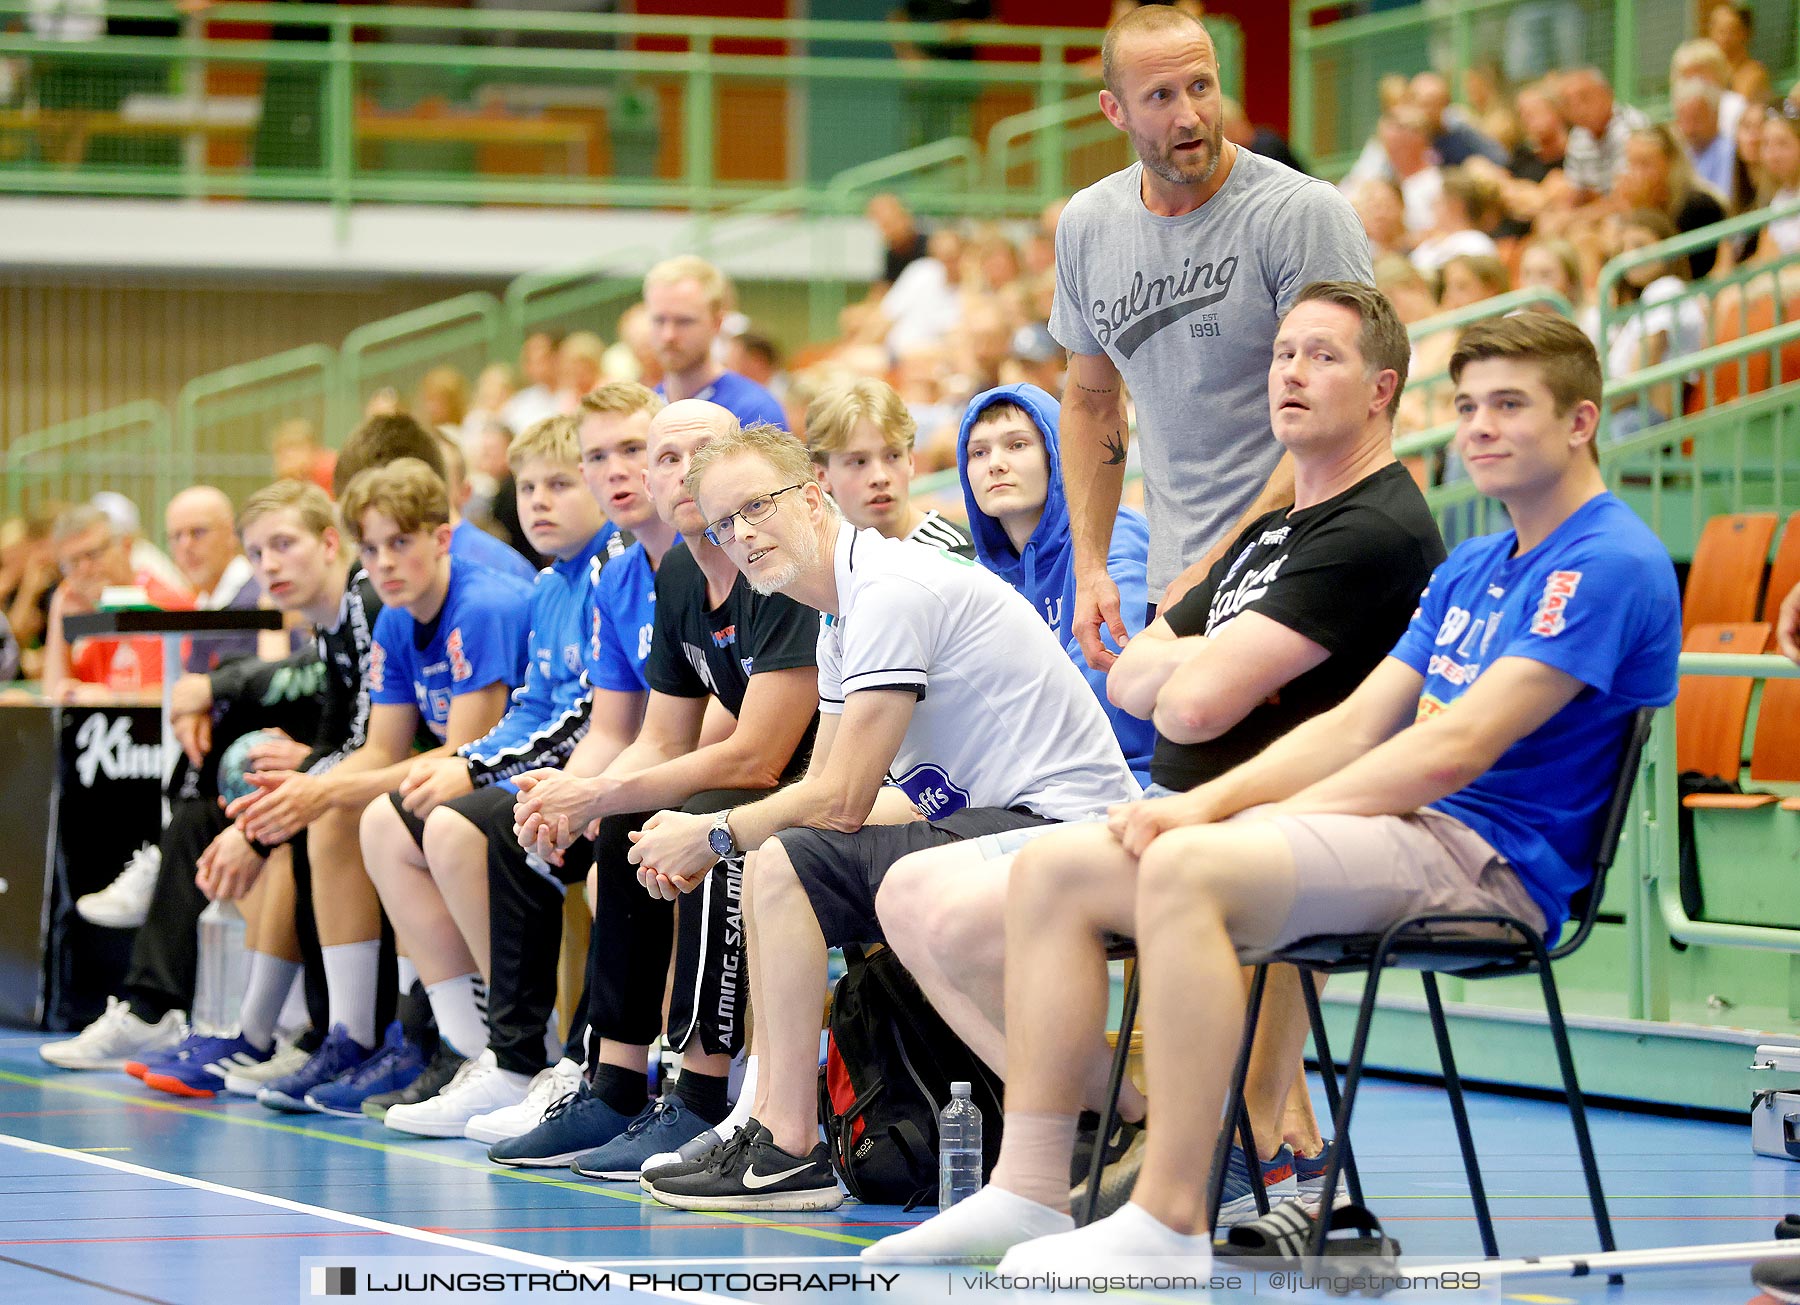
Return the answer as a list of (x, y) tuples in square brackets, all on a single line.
[(223, 969), (959, 1148)]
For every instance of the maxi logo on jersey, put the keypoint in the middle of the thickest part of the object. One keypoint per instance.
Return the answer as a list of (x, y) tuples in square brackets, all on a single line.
[(932, 791), (1559, 588), (460, 669)]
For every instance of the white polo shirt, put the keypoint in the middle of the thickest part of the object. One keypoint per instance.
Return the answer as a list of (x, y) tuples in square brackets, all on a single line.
[(1004, 719)]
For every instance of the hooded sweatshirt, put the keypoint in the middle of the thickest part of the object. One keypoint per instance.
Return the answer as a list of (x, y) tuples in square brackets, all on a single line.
[(1045, 571)]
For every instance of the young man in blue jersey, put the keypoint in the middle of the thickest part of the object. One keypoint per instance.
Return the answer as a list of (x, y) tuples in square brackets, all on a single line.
[(448, 647), (1468, 772), (686, 299), (524, 893), (431, 870), (1010, 460)]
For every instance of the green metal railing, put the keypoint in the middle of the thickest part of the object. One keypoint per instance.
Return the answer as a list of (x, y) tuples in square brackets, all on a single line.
[(125, 448), (223, 420), (465, 332), (130, 115)]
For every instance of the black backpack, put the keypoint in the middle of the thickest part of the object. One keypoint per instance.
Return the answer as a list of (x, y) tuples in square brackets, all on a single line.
[(889, 1063)]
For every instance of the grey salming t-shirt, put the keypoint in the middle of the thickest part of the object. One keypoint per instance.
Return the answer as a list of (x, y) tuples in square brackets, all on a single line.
[(1187, 307)]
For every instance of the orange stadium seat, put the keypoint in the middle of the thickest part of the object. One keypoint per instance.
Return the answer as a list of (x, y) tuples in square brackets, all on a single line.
[(1726, 577), (1710, 710)]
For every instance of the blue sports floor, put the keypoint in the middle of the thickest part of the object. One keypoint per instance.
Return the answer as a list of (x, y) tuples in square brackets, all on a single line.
[(112, 1192)]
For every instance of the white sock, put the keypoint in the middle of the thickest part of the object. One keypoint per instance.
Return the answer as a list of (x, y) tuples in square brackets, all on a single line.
[(265, 992), (460, 1008), (984, 1226), (740, 1110), (350, 972), (405, 973), (1131, 1241), (553, 1044), (294, 1018)]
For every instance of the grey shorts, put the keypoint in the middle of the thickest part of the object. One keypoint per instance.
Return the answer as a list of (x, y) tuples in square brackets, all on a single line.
[(842, 872), (1361, 874)]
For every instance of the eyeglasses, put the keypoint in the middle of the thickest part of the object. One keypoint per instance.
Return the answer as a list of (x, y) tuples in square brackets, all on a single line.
[(758, 509)]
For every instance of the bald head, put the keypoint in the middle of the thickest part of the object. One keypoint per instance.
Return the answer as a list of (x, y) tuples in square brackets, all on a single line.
[(1144, 28), (677, 433), (202, 538)]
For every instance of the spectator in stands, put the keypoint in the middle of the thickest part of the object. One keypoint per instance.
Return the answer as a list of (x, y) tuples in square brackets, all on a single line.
[(1598, 128), (1382, 209), (1409, 290), (490, 479), (1488, 110), (1660, 331), (1730, 27), (442, 401), (1266, 141), (901, 240), (755, 357), (427, 852), (925, 303), (1703, 61), (1405, 155), (1468, 208), (298, 455), (1710, 145), (203, 537), (1549, 264), (538, 368), (633, 356), (580, 363), (687, 298), (495, 385), (1008, 738), (1779, 152), (95, 556), (1466, 279), (1037, 359), (1658, 176), (1478, 782), (1208, 459), (1453, 139), (1544, 134), (1009, 456), (145, 556), (1470, 278), (860, 436), (29, 575), (1747, 168)]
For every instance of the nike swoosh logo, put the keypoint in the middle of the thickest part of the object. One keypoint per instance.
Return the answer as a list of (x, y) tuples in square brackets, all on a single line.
[(756, 1182)]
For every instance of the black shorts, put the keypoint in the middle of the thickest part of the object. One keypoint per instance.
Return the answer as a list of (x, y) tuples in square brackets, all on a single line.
[(490, 810), (842, 872)]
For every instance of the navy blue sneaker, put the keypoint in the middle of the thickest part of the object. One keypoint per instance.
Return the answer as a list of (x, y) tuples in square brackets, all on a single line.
[(579, 1122), (337, 1055), (1237, 1204), (663, 1125), (394, 1066)]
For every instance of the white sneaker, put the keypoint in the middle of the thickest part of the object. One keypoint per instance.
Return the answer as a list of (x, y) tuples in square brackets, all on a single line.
[(479, 1088), (124, 902), (116, 1037), (550, 1086), (247, 1080)]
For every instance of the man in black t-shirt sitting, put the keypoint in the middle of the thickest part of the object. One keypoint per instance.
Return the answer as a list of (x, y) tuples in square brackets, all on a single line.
[(714, 638), (1305, 602)]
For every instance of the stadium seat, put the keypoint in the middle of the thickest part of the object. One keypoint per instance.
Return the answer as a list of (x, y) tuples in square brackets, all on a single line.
[(1784, 572), (1735, 317), (1710, 710), (1726, 577)]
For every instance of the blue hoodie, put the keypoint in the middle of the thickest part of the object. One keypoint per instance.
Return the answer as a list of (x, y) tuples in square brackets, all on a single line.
[(1045, 572)]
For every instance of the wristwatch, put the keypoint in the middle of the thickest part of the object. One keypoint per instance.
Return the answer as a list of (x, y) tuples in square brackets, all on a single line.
[(719, 837)]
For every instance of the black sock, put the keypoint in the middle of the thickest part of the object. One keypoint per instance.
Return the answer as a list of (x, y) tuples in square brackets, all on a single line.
[(147, 1010), (704, 1094), (624, 1090), (413, 1009)]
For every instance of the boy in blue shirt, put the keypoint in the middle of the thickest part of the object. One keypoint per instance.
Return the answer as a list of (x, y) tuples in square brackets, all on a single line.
[(1468, 772), (1011, 466), (448, 647), (685, 298)]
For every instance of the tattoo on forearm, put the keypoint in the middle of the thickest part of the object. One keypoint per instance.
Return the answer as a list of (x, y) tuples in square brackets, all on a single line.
[(1115, 449), (1097, 389)]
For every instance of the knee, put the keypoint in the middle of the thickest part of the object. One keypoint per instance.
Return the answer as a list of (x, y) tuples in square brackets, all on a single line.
[(383, 837), (1179, 877), (452, 844), (769, 877), (910, 916)]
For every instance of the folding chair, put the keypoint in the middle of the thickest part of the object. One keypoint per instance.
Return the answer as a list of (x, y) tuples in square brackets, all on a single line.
[(1411, 943)]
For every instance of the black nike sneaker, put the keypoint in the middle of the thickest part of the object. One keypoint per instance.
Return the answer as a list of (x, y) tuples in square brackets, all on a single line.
[(751, 1173)]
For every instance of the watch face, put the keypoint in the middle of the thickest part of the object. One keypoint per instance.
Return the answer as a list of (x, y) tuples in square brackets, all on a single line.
[(720, 841)]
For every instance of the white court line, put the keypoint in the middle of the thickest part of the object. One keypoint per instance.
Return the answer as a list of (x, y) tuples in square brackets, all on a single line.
[(546, 1262)]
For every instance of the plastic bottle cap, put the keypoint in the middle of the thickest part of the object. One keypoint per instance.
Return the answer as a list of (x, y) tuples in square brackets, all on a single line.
[(960, 1091)]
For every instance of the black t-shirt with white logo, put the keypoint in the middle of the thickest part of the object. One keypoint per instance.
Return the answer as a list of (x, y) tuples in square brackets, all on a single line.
[(1346, 573), (698, 652)]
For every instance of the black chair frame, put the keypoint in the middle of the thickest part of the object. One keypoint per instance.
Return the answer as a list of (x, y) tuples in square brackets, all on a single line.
[(1432, 944)]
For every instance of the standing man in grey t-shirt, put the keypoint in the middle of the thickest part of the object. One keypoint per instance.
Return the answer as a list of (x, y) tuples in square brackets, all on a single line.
[(1172, 276)]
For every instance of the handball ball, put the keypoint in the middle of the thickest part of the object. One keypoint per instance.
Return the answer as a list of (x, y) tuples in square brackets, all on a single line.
[(235, 762)]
